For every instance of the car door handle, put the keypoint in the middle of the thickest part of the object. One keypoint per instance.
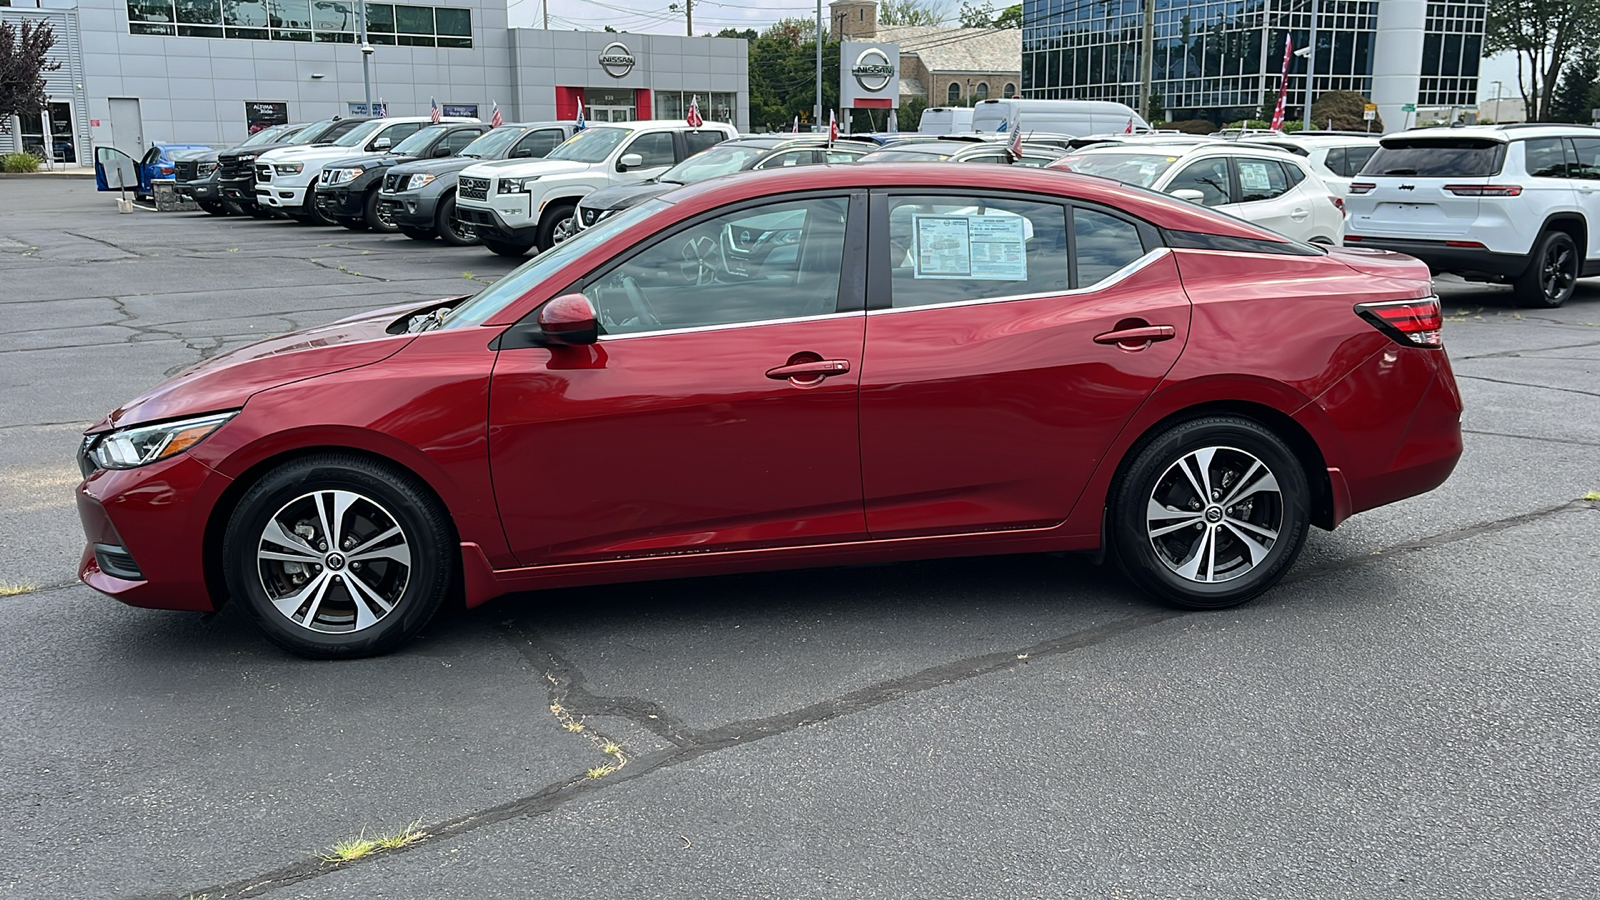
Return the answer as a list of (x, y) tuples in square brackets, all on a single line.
[(820, 368), (1144, 334), (1299, 214)]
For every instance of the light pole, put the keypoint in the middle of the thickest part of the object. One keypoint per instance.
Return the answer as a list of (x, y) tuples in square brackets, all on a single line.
[(1497, 101), (366, 54), (818, 120), (1311, 63)]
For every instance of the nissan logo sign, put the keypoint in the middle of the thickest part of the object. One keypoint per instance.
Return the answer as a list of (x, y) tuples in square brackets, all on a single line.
[(872, 70), (616, 59)]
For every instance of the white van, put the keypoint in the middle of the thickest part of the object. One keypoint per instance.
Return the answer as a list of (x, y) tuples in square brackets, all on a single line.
[(945, 120), (1075, 117)]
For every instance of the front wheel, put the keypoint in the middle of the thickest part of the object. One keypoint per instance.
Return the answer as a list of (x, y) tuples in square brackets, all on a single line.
[(377, 216), (418, 234), (500, 248), (1552, 273), (452, 230), (558, 225), (216, 209), (339, 556), (1211, 513)]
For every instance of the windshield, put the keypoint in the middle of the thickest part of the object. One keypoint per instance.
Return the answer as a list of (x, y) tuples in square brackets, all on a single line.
[(1438, 158), (711, 163), (1140, 169), (358, 135), (903, 156), (479, 307), (490, 145), (311, 132), (591, 145), (414, 145), (267, 135)]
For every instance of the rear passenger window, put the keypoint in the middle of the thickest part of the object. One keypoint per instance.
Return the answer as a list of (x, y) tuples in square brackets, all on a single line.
[(696, 141), (1335, 162), (1545, 157), (1261, 179), (1104, 244), (1356, 159), (1209, 177), (1587, 162), (952, 249), (458, 140)]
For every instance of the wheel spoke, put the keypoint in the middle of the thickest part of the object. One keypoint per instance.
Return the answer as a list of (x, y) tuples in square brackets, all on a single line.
[(1253, 528), (1168, 529), (363, 596), (1267, 482), (400, 553), (361, 548), (288, 605), (1191, 568), (1199, 491), (289, 557), (289, 541), (1257, 550)]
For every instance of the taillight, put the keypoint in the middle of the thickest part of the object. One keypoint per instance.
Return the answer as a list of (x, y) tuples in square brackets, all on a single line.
[(1338, 203), (1415, 323), (166, 170), (1361, 187), (1466, 245), (1484, 190)]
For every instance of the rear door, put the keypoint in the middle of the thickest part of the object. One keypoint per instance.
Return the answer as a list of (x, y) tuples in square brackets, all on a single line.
[(993, 379), (1267, 198), (1585, 172), (1408, 176)]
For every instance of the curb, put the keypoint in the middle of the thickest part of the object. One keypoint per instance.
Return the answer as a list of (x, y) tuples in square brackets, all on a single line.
[(87, 173)]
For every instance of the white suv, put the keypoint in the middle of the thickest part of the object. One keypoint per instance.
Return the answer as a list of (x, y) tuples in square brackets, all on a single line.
[(517, 204), (286, 178), (1272, 188), (1336, 156), (1517, 204)]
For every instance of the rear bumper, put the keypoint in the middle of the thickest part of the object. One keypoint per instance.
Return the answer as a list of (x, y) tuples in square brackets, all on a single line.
[(489, 225), (1443, 258)]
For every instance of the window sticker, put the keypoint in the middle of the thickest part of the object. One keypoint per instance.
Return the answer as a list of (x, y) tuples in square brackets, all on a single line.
[(982, 248), (1253, 177)]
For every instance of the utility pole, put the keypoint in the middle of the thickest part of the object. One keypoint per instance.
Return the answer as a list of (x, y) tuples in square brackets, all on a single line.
[(818, 120), (1311, 64), (1497, 101), (1147, 53), (546, 15), (366, 54), (688, 16)]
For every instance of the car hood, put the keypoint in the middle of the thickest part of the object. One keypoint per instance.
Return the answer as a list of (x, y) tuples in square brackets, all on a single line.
[(625, 195), (312, 153), (258, 150), (227, 381), (442, 166), (522, 168), (369, 160)]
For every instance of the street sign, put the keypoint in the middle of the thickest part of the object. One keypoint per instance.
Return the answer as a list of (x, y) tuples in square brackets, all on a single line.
[(1409, 107), (1369, 114)]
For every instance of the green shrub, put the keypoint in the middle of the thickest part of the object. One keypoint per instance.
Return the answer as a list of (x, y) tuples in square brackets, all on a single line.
[(1194, 126), (20, 162)]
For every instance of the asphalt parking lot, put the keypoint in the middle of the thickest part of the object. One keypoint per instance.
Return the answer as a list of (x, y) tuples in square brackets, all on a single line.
[(1412, 713)]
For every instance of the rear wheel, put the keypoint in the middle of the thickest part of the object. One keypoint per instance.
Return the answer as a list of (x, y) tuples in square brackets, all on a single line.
[(417, 234), (452, 230), (377, 216), (500, 248), (1552, 273), (1211, 513), (557, 225), (339, 556), (352, 224)]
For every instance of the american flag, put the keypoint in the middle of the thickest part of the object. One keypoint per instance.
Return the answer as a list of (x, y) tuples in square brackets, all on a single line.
[(796, 124), (581, 126), (1016, 144), (494, 117), (694, 119), (1129, 129), (1283, 84), (433, 110)]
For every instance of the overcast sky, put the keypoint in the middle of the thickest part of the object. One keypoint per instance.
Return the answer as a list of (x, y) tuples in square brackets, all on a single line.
[(655, 17)]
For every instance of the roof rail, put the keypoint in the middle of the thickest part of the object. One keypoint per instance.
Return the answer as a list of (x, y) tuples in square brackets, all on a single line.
[(1510, 125)]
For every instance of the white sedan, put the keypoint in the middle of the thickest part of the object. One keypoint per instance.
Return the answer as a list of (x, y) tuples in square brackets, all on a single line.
[(1271, 188)]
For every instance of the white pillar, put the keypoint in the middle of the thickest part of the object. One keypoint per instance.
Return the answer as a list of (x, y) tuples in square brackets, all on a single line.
[(1397, 58)]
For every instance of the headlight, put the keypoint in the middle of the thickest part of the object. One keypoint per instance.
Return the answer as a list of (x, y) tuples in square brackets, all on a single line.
[(418, 181), (516, 185), (290, 168), (206, 168), (340, 176), (129, 448)]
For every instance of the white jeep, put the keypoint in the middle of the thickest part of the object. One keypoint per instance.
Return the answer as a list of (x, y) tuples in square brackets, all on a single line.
[(515, 205)]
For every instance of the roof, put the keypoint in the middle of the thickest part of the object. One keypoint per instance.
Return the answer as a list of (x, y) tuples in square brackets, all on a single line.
[(1509, 132), (958, 49), (912, 87)]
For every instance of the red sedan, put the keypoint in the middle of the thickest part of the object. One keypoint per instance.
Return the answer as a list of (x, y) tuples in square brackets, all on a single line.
[(799, 367)]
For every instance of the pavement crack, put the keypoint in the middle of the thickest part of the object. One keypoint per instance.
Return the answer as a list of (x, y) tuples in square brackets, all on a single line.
[(117, 247), (335, 267), (1529, 437), (1542, 387), (1504, 354)]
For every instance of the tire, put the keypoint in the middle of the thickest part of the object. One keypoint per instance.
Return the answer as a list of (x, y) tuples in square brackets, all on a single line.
[(1552, 272), (1212, 557), (556, 226), (260, 212), (310, 210), (216, 209), (233, 208), (451, 230), (352, 224), (502, 249), (418, 234), (301, 595), (374, 218)]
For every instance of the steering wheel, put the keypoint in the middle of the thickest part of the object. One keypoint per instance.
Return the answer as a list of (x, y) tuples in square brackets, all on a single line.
[(700, 260), (641, 306)]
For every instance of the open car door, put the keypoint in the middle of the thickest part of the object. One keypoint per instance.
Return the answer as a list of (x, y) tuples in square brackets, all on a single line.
[(114, 170)]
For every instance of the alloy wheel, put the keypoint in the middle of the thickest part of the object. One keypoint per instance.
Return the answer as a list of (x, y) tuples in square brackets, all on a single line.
[(333, 561), (1558, 271), (1215, 514)]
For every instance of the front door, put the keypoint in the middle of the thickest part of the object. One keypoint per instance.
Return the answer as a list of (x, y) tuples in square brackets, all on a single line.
[(995, 379), (718, 409), (127, 126), (611, 114)]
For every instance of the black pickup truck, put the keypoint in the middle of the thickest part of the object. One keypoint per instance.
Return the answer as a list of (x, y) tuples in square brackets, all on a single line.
[(196, 177), (236, 168), (348, 189)]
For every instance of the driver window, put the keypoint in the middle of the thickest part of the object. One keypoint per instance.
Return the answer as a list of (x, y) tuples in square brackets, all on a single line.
[(1208, 176), (780, 261)]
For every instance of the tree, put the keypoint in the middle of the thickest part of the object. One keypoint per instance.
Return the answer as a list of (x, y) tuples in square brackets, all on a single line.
[(1345, 109), (984, 16), (783, 66), (1578, 94), (912, 12), (910, 114), (24, 58), (1544, 35)]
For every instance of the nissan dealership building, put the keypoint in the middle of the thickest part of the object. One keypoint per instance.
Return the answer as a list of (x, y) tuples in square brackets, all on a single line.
[(137, 72)]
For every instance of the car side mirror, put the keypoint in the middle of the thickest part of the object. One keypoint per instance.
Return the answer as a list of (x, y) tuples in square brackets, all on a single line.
[(569, 319), (630, 161), (381, 144), (1193, 196), (441, 152)]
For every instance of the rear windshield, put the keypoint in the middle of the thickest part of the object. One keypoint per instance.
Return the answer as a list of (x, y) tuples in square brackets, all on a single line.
[(1437, 158)]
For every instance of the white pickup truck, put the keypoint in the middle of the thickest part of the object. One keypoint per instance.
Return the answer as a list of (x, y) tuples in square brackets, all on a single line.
[(516, 205), (286, 177)]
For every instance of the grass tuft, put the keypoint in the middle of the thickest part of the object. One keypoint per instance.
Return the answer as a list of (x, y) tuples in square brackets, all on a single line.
[(601, 771), (14, 588), (1592, 495), (361, 846)]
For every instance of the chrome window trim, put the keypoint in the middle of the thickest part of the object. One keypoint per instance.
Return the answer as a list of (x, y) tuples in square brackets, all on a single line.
[(1115, 278), (605, 338)]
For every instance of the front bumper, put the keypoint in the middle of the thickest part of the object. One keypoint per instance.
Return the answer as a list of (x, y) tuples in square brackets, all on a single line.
[(201, 191), (489, 224), (1443, 258), (410, 212), (145, 531), (239, 190), (278, 195), (341, 202)]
